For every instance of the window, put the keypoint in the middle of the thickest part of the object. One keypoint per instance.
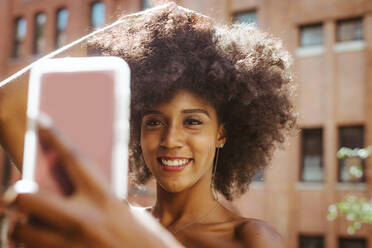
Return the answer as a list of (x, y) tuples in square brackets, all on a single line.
[(311, 35), (306, 241), (61, 28), (19, 37), (350, 137), (259, 177), (146, 4), (246, 17), (352, 243), (39, 33), (349, 30), (97, 14), (312, 155)]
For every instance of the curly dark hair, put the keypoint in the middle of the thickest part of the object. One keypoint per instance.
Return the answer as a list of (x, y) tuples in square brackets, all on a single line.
[(242, 72)]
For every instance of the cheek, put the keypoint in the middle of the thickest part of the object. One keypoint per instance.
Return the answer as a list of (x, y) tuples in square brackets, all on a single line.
[(204, 146), (149, 144)]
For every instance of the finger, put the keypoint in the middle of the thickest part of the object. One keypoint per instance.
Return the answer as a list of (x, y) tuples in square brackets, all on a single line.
[(83, 176), (9, 196), (32, 236), (54, 210)]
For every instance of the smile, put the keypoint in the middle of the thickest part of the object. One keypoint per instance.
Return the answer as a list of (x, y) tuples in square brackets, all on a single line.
[(174, 164)]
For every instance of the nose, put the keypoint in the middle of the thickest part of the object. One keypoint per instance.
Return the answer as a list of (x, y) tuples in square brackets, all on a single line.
[(173, 137)]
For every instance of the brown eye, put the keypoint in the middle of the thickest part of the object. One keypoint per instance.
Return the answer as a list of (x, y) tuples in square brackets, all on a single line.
[(193, 122), (153, 123)]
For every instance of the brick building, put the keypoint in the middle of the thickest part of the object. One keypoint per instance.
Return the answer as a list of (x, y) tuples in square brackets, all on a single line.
[(331, 43)]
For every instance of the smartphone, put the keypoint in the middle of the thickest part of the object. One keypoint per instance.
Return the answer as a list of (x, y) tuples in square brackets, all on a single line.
[(87, 100)]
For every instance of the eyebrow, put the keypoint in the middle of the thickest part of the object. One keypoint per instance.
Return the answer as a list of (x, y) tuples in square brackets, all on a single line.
[(185, 111), (190, 111), (151, 112)]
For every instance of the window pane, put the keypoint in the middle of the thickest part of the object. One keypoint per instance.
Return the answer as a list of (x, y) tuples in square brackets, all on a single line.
[(97, 14), (348, 30), (246, 17), (146, 4), (311, 241), (352, 243), (62, 21), (312, 155), (19, 37), (311, 35), (21, 29), (259, 177), (39, 36), (350, 137)]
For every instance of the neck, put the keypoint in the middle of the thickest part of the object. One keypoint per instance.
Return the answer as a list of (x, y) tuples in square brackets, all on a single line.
[(176, 209)]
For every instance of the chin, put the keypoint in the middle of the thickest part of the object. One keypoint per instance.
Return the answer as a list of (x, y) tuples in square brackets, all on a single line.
[(173, 186)]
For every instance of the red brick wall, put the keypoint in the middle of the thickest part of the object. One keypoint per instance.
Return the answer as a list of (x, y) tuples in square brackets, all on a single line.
[(334, 88)]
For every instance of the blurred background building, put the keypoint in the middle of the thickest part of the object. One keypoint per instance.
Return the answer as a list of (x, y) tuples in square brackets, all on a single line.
[(331, 43)]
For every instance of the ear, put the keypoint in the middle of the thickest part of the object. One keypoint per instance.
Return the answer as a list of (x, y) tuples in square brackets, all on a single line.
[(221, 135)]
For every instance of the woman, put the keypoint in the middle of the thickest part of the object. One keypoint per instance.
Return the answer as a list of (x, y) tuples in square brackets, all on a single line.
[(209, 104)]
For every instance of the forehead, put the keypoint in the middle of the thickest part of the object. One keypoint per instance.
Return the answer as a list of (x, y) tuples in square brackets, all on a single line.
[(184, 99)]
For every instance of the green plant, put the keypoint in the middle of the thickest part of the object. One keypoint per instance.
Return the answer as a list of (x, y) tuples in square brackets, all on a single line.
[(356, 210)]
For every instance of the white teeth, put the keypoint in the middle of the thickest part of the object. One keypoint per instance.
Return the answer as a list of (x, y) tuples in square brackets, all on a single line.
[(174, 162)]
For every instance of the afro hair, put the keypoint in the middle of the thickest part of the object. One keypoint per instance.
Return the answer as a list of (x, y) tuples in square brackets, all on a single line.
[(242, 72)]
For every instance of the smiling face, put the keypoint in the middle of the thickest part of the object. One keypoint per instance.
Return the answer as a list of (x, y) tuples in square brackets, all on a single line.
[(179, 139)]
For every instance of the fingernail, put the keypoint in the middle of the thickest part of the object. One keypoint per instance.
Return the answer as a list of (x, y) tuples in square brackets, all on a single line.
[(10, 196), (45, 121)]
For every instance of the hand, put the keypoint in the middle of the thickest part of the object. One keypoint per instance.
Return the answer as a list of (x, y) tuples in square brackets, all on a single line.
[(90, 217)]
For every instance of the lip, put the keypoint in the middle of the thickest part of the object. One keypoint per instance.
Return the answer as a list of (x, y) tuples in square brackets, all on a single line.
[(174, 168)]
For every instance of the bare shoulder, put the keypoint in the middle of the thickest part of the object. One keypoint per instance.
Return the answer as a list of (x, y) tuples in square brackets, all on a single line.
[(258, 233)]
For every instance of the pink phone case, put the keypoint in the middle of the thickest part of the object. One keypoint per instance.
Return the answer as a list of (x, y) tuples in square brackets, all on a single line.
[(81, 106), (88, 108)]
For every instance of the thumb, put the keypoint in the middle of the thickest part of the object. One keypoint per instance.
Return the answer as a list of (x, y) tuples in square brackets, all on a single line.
[(69, 165)]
